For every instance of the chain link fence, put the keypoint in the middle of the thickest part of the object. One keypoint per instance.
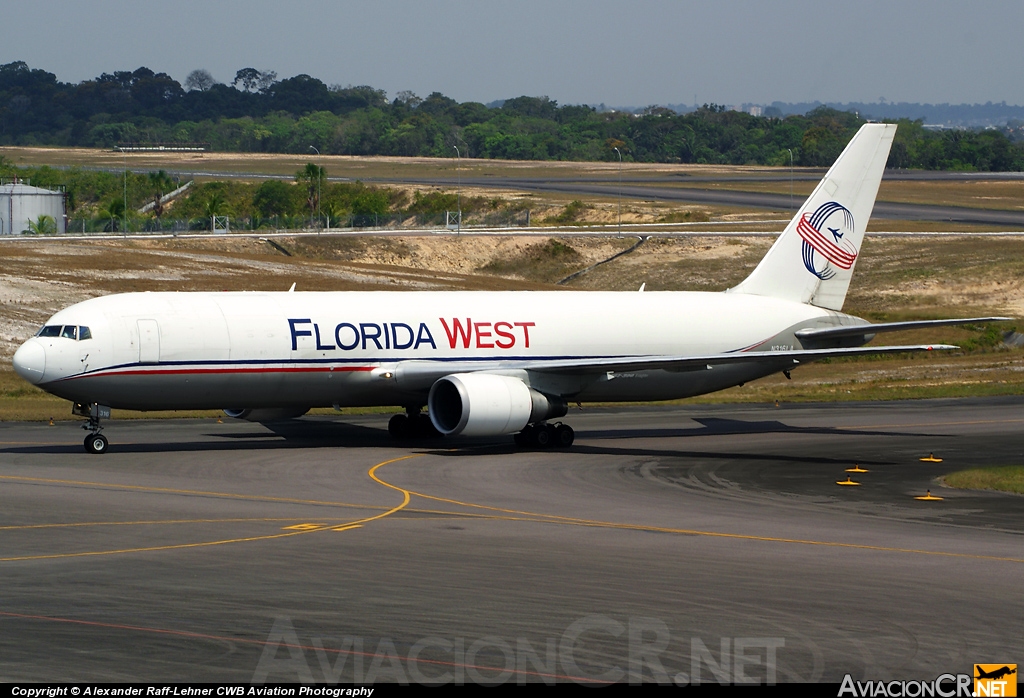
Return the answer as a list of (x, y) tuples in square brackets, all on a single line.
[(135, 224)]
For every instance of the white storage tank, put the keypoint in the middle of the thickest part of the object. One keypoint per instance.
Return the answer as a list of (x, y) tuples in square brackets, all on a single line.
[(22, 204)]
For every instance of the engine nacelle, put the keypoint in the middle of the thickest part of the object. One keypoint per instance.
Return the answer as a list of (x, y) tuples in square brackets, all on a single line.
[(272, 414), (484, 404)]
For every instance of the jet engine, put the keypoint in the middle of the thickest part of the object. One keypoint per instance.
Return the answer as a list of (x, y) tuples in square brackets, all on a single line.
[(273, 414), (484, 404)]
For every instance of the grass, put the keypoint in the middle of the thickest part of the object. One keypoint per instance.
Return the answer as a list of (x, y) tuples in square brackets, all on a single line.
[(1008, 478), (685, 217), (546, 261), (359, 166), (916, 376), (571, 214)]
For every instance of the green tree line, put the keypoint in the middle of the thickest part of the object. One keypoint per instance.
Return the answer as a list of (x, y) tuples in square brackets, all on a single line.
[(98, 199), (258, 113)]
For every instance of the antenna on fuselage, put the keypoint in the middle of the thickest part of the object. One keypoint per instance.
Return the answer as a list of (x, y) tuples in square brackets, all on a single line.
[(292, 288)]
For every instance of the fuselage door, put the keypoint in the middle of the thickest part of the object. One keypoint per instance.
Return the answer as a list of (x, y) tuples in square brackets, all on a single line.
[(149, 342)]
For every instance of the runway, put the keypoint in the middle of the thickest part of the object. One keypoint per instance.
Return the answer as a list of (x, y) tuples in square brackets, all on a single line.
[(722, 197), (668, 544)]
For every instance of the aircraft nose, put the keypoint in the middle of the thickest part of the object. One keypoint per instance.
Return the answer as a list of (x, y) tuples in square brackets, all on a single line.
[(30, 361)]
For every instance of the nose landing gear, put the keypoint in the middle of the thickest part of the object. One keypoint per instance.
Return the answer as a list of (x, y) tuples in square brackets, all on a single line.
[(95, 442)]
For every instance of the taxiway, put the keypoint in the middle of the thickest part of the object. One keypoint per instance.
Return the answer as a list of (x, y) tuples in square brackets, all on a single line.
[(322, 551)]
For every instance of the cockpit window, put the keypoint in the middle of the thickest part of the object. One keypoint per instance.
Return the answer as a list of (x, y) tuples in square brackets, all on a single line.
[(65, 331)]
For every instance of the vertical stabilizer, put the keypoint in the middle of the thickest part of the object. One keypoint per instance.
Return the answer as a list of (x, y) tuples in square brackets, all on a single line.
[(813, 260)]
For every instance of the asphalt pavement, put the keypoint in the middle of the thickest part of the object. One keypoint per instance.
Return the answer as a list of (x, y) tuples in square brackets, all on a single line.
[(668, 544)]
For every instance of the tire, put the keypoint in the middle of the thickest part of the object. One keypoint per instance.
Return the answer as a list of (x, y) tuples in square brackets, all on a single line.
[(398, 427), (543, 436), (564, 436), (96, 443)]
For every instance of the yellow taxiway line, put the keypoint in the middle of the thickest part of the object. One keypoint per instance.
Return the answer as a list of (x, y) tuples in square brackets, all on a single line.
[(179, 546)]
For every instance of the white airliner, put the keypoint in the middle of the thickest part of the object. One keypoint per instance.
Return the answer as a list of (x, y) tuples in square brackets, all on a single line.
[(482, 363)]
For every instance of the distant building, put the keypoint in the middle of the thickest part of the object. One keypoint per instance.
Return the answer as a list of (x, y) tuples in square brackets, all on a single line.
[(22, 204), (752, 109)]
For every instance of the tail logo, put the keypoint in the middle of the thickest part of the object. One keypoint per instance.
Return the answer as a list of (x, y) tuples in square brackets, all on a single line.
[(825, 246)]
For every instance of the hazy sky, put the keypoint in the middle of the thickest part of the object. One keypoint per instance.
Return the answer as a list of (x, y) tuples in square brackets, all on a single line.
[(621, 53)]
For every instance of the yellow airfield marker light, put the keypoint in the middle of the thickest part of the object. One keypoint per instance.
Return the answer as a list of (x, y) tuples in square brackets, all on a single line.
[(219, 420), (931, 459), (848, 482), (51, 421), (928, 497), (856, 469)]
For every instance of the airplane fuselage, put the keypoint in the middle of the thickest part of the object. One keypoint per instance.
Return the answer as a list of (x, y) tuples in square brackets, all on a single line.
[(149, 351)]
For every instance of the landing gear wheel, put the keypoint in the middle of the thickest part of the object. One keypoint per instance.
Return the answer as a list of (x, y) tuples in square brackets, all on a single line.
[(96, 443), (564, 436), (414, 425), (543, 436), (398, 427)]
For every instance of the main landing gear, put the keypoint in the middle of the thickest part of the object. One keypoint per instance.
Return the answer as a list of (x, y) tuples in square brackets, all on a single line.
[(95, 442), (546, 435), (412, 425)]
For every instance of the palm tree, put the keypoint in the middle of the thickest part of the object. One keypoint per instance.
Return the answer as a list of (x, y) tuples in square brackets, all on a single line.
[(159, 184), (332, 210), (112, 211), (311, 176), (216, 205), (44, 225)]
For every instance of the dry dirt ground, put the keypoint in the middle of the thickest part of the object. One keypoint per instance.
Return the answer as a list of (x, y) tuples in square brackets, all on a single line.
[(897, 278)]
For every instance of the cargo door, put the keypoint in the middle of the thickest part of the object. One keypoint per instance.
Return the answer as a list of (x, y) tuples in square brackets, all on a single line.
[(149, 342)]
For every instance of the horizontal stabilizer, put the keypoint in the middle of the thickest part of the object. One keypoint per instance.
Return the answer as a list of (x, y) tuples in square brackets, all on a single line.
[(868, 328)]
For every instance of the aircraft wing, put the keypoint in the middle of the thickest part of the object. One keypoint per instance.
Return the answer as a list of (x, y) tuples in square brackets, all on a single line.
[(700, 363), (424, 372), (869, 328)]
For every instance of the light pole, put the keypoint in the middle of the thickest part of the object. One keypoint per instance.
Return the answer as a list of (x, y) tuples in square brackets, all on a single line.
[(620, 189), (458, 190), (790, 177), (318, 171), (124, 154)]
